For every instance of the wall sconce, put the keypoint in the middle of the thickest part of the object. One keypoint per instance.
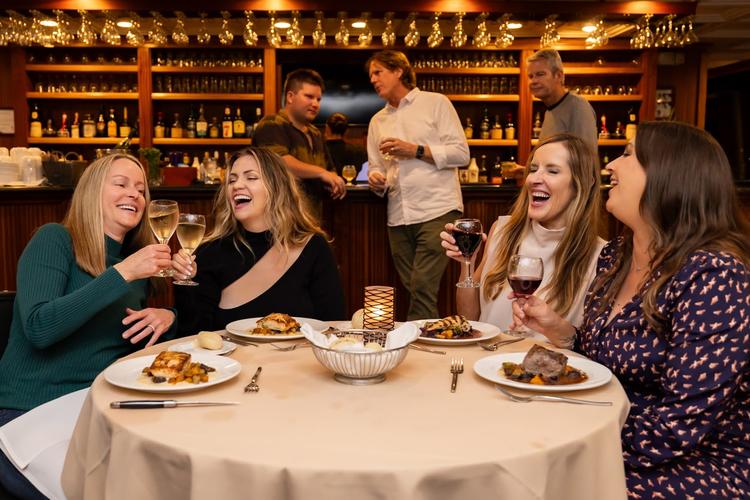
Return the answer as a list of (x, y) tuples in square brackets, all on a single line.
[(378, 307)]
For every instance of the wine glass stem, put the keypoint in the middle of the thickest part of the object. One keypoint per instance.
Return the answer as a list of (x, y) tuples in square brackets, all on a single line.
[(467, 263)]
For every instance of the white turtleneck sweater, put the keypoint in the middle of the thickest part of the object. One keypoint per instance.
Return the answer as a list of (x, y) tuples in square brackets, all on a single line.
[(539, 242)]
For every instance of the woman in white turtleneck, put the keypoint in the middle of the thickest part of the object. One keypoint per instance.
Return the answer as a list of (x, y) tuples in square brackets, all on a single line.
[(555, 217)]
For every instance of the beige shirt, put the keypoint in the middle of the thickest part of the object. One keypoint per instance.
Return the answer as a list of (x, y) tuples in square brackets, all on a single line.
[(419, 191)]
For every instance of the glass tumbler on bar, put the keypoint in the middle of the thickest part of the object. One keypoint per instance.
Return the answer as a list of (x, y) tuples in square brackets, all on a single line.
[(525, 276), (349, 173), (468, 236), (163, 217), (190, 231)]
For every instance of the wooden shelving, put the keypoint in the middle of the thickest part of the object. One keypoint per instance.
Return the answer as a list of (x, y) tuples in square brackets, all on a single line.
[(593, 69), (601, 142), (132, 96), (206, 69), (468, 71), (483, 97), (612, 98), (82, 141), (83, 68), (177, 96), (492, 142), (213, 141)]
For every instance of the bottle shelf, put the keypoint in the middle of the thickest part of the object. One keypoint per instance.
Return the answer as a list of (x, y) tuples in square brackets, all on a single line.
[(627, 69), (205, 69), (483, 97), (468, 71), (83, 68), (80, 141), (174, 96), (209, 141), (125, 96), (612, 98), (492, 142), (601, 142)]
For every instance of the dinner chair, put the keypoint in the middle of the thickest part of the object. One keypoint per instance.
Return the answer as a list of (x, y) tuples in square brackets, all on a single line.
[(6, 315)]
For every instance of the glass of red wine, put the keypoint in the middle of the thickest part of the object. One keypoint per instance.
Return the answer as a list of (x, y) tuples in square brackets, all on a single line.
[(468, 236), (524, 275)]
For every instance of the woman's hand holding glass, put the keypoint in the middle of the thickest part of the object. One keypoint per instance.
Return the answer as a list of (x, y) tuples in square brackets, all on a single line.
[(149, 321), (163, 216), (190, 231), (146, 262), (536, 314), (184, 266), (454, 252)]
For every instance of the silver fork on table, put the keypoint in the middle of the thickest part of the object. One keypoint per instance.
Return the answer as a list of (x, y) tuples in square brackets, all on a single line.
[(545, 397), (495, 345), (289, 347), (457, 366), (424, 349), (238, 341), (253, 385)]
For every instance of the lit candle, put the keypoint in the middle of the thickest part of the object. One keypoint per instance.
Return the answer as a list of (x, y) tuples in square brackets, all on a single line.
[(378, 307)]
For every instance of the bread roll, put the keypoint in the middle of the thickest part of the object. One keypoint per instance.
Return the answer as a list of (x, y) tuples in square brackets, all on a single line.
[(210, 340), (358, 319)]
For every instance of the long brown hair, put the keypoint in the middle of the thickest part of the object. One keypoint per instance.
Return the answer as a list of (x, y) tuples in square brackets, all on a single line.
[(85, 219), (288, 216), (579, 242), (690, 204)]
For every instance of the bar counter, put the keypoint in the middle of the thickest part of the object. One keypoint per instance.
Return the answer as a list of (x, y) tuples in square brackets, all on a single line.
[(356, 224)]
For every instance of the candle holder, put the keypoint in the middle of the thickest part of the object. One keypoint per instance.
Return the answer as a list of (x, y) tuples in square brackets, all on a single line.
[(378, 307)]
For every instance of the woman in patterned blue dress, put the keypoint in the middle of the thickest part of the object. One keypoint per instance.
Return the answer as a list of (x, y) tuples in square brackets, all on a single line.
[(669, 314)]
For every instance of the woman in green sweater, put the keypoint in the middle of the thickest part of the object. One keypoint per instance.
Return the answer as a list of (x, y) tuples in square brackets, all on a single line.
[(81, 298)]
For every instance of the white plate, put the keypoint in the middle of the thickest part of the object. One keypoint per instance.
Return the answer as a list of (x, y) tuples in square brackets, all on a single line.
[(490, 368), (242, 328), (192, 347), (128, 373), (488, 331)]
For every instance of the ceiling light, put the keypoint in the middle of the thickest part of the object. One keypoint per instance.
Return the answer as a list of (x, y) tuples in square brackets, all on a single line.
[(358, 24), (282, 25), (49, 23), (589, 28), (125, 23), (514, 25)]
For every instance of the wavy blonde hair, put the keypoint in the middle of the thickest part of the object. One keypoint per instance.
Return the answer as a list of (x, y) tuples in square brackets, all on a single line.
[(85, 218), (576, 249), (291, 222)]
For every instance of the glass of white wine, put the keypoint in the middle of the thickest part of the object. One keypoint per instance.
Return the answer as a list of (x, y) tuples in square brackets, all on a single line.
[(190, 231), (162, 217), (349, 173)]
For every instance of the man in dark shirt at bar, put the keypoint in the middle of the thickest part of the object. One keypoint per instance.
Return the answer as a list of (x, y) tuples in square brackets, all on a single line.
[(291, 134)]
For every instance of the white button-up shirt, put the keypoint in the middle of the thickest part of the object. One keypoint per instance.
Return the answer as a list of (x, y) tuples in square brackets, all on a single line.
[(419, 191)]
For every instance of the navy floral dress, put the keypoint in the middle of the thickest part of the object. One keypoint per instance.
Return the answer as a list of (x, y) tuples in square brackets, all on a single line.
[(688, 431)]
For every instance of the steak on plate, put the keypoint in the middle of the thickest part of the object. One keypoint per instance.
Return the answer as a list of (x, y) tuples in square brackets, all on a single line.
[(540, 361)]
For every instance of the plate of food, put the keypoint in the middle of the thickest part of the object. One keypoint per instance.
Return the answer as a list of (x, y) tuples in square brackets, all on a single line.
[(542, 369), (172, 371), (206, 343), (275, 326), (454, 330)]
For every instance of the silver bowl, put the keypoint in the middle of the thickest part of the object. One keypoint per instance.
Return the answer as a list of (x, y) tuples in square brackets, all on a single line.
[(361, 368)]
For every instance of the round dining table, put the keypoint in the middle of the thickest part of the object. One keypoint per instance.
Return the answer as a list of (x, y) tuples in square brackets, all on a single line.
[(304, 435)]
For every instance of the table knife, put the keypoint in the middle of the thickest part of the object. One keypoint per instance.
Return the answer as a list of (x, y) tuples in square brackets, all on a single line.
[(165, 403)]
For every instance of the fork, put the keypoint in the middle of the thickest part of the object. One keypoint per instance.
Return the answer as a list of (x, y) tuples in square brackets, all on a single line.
[(238, 341), (253, 385), (544, 397), (290, 347), (421, 348), (494, 346), (457, 366)]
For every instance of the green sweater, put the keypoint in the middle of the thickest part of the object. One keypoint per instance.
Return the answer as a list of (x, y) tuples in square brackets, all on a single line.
[(67, 325)]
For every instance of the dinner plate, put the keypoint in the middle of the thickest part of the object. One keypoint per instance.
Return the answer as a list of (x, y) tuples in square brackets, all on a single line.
[(242, 328), (192, 347), (489, 368), (128, 373), (488, 331)]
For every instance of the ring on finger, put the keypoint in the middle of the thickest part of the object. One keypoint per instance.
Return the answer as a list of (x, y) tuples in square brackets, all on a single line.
[(151, 326)]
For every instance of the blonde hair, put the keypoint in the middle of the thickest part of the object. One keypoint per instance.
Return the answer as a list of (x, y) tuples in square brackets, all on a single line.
[(85, 219), (290, 221), (576, 249)]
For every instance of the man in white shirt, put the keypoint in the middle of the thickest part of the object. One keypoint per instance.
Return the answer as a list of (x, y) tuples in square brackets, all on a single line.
[(414, 146)]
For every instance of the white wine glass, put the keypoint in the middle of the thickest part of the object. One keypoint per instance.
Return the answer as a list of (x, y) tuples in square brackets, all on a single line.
[(190, 231), (163, 217), (468, 236), (349, 173), (524, 276)]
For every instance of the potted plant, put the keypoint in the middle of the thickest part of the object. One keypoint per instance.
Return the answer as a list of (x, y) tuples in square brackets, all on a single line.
[(152, 157)]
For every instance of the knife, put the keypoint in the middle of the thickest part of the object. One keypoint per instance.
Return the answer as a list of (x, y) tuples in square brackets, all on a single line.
[(165, 403)]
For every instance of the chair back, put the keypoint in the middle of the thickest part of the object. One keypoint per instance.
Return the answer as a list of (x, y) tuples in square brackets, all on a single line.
[(6, 315)]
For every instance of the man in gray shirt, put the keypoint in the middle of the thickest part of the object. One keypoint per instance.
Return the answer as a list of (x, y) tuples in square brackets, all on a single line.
[(565, 112)]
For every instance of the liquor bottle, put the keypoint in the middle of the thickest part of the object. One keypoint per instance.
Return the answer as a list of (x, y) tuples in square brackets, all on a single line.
[(190, 125), (201, 126), (89, 127), (35, 130), (258, 116), (214, 130), (537, 130), (112, 124), (75, 128), (49, 130), (496, 172), (469, 129), (618, 133), (482, 169), (63, 131), (125, 125), (176, 131), (238, 124), (101, 125), (159, 127), (484, 127), (603, 132), (226, 124), (632, 126), (497, 130), (510, 129), (473, 172)]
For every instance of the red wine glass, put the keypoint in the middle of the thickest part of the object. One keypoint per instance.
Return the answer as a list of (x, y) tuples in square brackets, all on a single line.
[(468, 236), (524, 275)]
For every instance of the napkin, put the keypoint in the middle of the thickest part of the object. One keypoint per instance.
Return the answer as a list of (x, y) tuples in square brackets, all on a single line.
[(404, 334)]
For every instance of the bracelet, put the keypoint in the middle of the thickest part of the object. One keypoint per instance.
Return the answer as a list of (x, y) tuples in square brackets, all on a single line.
[(420, 152)]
